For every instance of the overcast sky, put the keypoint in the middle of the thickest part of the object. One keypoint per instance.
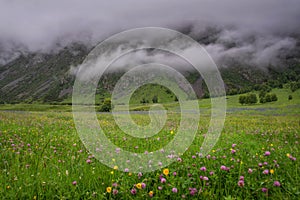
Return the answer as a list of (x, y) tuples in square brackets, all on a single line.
[(41, 25)]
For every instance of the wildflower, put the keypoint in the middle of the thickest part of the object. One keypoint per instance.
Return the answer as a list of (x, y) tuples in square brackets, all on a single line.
[(259, 164), (112, 172), (224, 168), (88, 161), (108, 189), (139, 186), (265, 163), (174, 173), (174, 190), (233, 151), (276, 184), (264, 190), (233, 145), (172, 132), (115, 191), (242, 178), (116, 168), (159, 188), (250, 171), (288, 155), (241, 183), (266, 171), (166, 172), (150, 194), (205, 178), (115, 184), (143, 185), (272, 171), (203, 169), (267, 153), (193, 191), (140, 174), (126, 170), (193, 157), (211, 173), (74, 183), (163, 180), (133, 191)]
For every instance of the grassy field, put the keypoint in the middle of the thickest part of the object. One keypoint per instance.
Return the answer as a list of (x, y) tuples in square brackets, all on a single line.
[(256, 157)]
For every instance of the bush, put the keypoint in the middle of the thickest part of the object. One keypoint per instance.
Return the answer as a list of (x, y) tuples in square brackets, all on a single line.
[(248, 99), (106, 106), (155, 99)]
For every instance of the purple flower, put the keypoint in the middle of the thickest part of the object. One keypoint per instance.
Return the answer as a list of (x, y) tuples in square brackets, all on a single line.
[(265, 163), (233, 151), (266, 171), (74, 183), (126, 170), (241, 183), (224, 168), (88, 161), (159, 188), (115, 191), (259, 164), (242, 178), (211, 173), (276, 184), (133, 191), (174, 190), (233, 145), (205, 178), (193, 157), (143, 185), (174, 173), (163, 180), (250, 171), (203, 169), (267, 153), (264, 190), (193, 191)]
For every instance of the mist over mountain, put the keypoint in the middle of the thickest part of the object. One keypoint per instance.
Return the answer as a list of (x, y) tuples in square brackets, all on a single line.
[(42, 43)]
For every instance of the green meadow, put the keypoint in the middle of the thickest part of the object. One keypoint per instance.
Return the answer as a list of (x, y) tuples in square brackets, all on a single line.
[(256, 156)]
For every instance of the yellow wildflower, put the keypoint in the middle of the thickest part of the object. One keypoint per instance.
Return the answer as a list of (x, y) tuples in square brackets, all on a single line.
[(108, 189), (166, 171), (139, 186), (272, 171)]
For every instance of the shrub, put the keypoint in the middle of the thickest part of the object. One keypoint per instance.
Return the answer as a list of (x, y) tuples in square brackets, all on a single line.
[(106, 106)]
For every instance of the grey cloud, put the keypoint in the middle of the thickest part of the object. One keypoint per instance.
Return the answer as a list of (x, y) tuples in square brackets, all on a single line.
[(259, 30)]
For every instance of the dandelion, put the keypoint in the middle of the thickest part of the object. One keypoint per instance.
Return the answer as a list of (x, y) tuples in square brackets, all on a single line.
[(139, 186), (150, 194), (116, 168), (276, 183), (108, 189), (272, 171), (174, 190), (171, 132), (166, 172)]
